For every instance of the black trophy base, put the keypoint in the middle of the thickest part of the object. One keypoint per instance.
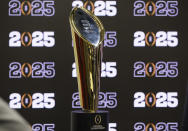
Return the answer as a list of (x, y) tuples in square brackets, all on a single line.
[(85, 121)]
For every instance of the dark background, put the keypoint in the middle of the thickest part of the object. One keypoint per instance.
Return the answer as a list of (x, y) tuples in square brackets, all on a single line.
[(63, 85)]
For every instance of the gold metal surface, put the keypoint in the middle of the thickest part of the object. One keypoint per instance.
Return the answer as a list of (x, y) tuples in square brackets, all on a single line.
[(88, 57)]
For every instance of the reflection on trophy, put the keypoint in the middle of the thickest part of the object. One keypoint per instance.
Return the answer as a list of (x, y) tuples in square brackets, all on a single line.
[(88, 35)]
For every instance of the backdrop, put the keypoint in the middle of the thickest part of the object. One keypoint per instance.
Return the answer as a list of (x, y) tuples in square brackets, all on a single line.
[(143, 76)]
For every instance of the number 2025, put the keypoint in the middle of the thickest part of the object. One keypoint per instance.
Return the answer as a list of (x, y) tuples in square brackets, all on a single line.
[(159, 126), (34, 70), (35, 39), (99, 7), (160, 8), (160, 39), (108, 69), (106, 100), (160, 69), (160, 100), (34, 8), (36, 101)]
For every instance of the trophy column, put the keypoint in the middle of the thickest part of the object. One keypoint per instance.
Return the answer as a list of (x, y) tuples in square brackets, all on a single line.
[(88, 35)]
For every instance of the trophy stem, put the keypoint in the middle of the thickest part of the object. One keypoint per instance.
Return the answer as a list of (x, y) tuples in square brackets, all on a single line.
[(88, 61), (88, 36)]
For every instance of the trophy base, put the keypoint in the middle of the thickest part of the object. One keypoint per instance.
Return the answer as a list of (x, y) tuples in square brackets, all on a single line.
[(86, 121)]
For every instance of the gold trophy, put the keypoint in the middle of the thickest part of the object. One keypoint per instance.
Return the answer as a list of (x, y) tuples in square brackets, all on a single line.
[(88, 35)]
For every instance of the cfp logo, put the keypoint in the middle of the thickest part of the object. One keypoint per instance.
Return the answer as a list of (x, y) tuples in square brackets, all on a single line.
[(160, 69), (106, 100), (34, 70), (160, 126), (159, 39), (34, 101), (158, 100), (34, 39), (108, 70), (43, 127), (34, 8), (98, 119), (99, 7), (159, 8)]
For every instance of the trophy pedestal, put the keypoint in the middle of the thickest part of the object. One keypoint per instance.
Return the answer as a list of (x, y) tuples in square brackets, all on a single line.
[(85, 121)]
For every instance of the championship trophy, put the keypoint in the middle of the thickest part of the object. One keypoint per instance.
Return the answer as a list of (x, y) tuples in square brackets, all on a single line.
[(88, 35)]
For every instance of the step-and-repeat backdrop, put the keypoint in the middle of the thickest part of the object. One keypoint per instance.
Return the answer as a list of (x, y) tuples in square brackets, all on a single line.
[(143, 75)]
